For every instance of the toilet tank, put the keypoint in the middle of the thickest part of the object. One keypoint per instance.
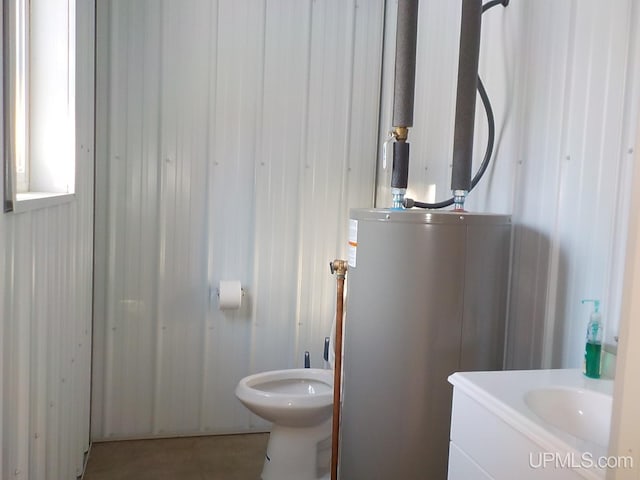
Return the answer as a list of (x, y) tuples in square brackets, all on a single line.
[(427, 295)]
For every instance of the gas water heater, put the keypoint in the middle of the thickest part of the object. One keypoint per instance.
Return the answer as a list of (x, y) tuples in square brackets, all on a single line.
[(427, 294)]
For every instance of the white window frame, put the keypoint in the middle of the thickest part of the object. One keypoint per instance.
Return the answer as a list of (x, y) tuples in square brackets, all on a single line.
[(39, 44)]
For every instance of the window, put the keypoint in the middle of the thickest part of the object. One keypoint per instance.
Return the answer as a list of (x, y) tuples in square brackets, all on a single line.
[(39, 100)]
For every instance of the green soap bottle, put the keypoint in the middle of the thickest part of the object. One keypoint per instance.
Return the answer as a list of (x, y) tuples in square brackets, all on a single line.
[(593, 347)]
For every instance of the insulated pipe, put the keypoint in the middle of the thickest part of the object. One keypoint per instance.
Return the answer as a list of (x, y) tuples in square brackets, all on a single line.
[(403, 94), (405, 69), (466, 95), (400, 173), (340, 268)]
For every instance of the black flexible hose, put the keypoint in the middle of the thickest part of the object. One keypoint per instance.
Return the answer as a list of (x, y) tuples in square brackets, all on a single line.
[(494, 3), (408, 202), (491, 134), (485, 161)]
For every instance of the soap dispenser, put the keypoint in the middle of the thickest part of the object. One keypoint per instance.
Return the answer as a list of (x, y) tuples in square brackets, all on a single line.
[(593, 345)]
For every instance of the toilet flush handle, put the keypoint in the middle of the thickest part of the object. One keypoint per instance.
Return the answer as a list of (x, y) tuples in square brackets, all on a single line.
[(325, 353)]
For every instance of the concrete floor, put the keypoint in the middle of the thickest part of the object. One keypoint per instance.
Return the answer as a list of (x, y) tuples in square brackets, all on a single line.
[(222, 457)]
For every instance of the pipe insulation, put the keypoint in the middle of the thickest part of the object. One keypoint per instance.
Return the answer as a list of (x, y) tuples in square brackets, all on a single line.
[(466, 94), (405, 68), (400, 170)]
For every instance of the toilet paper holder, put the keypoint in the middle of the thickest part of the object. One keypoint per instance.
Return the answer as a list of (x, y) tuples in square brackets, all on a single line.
[(242, 291), (230, 295)]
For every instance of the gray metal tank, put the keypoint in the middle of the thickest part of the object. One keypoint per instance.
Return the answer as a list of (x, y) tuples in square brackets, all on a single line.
[(426, 297)]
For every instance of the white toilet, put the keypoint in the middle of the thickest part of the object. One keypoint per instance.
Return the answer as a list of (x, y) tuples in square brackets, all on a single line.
[(299, 403)]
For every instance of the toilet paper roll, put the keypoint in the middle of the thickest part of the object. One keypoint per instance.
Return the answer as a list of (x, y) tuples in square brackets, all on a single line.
[(230, 294)]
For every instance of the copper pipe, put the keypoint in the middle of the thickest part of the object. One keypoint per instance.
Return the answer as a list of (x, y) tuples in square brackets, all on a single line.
[(340, 268)]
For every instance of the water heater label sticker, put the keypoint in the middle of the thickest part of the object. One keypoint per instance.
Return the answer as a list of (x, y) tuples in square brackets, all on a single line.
[(353, 242)]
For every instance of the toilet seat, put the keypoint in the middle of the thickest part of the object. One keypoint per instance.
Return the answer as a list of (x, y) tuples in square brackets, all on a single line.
[(298, 397)]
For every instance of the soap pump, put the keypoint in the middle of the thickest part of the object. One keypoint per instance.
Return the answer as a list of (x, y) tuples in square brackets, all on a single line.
[(593, 345)]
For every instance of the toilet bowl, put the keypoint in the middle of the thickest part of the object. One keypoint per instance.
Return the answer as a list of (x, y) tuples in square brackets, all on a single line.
[(299, 403)]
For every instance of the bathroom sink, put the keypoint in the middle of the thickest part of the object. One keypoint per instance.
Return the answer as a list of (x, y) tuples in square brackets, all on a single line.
[(585, 414)]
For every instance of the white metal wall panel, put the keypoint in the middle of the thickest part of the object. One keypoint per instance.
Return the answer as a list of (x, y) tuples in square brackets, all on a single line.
[(562, 78), (182, 202), (538, 104), (570, 176), (592, 161), (45, 305), (232, 138), (235, 134)]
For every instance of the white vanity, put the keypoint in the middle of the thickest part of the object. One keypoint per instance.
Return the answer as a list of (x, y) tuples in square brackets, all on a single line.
[(533, 424)]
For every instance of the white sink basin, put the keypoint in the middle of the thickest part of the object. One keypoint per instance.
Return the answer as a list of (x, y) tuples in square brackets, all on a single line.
[(585, 414)]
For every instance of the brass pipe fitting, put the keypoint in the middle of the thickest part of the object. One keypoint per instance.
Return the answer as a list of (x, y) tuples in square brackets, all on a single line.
[(339, 267), (401, 133)]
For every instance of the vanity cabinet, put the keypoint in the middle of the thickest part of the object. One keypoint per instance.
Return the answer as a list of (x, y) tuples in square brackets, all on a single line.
[(495, 437)]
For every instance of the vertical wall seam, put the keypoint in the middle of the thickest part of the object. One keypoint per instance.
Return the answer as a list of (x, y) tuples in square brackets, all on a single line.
[(256, 257), (378, 155), (301, 176), (209, 172), (92, 261), (344, 180), (628, 132), (548, 328), (160, 242)]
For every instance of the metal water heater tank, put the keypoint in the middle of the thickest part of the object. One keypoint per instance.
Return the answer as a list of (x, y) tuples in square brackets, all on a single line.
[(427, 294)]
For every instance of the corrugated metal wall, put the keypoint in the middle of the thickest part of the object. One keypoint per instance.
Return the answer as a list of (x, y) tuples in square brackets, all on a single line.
[(45, 306), (563, 78), (233, 136), (572, 170)]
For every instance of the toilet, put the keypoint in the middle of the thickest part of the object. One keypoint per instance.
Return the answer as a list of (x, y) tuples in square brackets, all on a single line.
[(299, 403)]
